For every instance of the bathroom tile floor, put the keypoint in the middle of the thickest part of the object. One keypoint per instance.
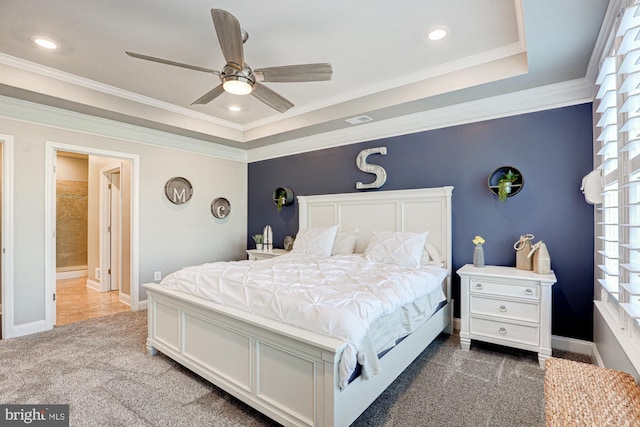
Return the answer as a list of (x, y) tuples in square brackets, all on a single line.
[(75, 302)]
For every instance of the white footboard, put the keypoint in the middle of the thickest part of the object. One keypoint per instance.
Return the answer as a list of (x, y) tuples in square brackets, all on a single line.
[(273, 368), (288, 374)]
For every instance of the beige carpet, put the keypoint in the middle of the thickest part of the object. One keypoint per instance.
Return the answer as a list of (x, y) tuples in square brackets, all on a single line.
[(100, 367)]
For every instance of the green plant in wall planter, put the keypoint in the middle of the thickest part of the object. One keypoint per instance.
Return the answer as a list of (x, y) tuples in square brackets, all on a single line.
[(504, 184), (282, 196), (280, 201)]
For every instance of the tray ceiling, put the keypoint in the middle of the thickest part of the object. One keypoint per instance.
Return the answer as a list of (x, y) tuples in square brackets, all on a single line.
[(384, 66)]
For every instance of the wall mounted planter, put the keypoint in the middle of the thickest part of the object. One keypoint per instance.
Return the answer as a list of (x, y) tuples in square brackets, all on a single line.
[(283, 196), (511, 188)]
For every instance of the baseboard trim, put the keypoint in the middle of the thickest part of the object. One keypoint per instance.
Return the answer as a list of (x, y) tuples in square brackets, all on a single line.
[(143, 305), (456, 324), (597, 357), (92, 284), (125, 299), (28, 328), (71, 274), (572, 345)]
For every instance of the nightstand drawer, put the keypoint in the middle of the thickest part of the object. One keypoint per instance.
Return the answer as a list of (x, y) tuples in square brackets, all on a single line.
[(528, 312), (518, 289), (505, 331)]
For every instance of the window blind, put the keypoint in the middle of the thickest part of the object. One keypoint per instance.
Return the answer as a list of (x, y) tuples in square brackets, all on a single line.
[(617, 155)]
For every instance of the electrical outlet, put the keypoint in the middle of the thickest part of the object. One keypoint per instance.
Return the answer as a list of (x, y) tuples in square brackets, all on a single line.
[(97, 273), (157, 275)]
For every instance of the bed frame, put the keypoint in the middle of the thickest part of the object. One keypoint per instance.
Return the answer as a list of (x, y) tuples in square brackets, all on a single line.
[(289, 374)]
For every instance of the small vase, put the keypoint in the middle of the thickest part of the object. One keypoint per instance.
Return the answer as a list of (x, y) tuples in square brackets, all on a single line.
[(523, 260), (542, 260), (478, 256), (259, 246)]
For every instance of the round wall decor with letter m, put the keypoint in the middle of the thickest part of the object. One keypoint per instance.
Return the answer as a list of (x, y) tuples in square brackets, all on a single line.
[(178, 190)]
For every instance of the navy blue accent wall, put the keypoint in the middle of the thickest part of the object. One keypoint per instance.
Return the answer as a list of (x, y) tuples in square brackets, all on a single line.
[(552, 149)]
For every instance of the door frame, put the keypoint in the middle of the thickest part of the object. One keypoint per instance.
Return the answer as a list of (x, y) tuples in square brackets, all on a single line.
[(6, 258), (50, 221), (105, 212)]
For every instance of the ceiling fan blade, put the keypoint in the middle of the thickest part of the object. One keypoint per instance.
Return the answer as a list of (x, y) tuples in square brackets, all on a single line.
[(209, 96), (229, 36), (271, 98), (295, 73), (175, 64)]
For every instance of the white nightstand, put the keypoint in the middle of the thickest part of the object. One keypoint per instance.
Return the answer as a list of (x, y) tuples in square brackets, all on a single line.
[(257, 254), (506, 306)]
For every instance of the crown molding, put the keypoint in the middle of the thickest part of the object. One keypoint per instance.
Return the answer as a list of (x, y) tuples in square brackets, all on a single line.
[(573, 92), (557, 95), (30, 112)]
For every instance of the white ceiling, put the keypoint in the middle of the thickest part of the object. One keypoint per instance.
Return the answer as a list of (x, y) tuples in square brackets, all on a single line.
[(383, 65)]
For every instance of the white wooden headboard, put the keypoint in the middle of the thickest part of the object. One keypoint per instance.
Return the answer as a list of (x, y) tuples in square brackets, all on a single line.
[(425, 209)]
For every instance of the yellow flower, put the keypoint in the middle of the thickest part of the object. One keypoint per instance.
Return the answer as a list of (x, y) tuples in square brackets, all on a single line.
[(478, 240)]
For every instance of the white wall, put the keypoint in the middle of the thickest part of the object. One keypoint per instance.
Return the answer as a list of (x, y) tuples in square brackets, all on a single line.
[(71, 168), (170, 236), (613, 347)]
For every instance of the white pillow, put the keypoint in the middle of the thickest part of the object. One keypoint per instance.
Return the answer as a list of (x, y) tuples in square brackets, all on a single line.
[(431, 256), (317, 241), (345, 243), (396, 247)]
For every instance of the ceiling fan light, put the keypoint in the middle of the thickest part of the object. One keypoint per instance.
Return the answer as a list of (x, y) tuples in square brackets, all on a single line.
[(237, 85)]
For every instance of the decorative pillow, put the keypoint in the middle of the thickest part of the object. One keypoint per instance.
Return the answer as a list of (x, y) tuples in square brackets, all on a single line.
[(345, 243), (316, 241), (396, 247), (431, 256)]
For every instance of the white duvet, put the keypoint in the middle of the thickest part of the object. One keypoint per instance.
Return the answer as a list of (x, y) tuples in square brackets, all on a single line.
[(338, 296)]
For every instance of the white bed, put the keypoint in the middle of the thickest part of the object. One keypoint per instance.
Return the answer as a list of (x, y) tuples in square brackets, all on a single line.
[(291, 374)]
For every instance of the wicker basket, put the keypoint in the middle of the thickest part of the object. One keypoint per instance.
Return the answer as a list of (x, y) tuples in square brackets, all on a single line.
[(579, 394)]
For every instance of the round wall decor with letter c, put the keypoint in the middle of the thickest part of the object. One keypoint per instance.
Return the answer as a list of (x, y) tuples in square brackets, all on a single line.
[(178, 190), (220, 208)]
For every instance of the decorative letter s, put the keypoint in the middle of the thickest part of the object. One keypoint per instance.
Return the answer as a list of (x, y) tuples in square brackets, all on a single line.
[(378, 171)]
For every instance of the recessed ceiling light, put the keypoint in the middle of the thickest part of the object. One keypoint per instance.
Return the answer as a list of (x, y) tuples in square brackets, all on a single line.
[(44, 42), (437, 34), (234, 108)]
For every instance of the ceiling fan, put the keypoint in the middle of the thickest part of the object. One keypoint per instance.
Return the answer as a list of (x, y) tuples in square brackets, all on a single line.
[(237, 77)]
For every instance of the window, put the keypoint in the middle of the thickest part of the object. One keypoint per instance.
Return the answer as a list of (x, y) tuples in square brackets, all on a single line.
[(617, 155)]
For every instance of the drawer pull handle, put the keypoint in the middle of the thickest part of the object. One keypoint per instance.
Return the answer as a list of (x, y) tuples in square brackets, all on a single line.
[(478, 285), (503, 308), (503, 331), (528, 291)]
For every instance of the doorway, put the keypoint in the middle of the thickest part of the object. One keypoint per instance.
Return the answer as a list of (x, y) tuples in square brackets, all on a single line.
[(111, 238), (84, 187), (109, 283)]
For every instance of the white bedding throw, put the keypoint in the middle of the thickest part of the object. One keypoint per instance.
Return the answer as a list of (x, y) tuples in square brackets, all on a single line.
[(338, 296)]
